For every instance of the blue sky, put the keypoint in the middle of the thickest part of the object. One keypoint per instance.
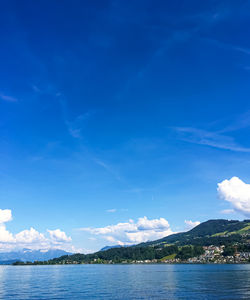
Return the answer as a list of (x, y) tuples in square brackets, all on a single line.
[(113, 111)]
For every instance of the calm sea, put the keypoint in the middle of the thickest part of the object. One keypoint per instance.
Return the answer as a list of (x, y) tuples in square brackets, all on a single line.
[(125, 282)]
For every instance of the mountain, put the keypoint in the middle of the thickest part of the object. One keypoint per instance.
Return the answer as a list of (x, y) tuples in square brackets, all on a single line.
[(225, 234), (31, 255), (207, 233), (8, 262)]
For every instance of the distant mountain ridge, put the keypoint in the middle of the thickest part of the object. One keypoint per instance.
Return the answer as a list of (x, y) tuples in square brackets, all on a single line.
[(30, 255), (8, 262)]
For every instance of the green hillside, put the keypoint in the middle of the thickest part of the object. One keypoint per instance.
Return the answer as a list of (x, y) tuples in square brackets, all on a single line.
[(212, 232), (182, 246)]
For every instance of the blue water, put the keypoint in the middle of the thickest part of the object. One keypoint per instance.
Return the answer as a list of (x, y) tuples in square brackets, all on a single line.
[(125, 282)]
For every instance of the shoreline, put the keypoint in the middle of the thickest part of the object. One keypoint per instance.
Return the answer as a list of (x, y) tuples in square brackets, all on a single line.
[(113, 264)]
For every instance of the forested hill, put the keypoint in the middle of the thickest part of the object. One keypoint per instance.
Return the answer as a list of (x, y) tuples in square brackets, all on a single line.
[(207, 233), (181, 245)]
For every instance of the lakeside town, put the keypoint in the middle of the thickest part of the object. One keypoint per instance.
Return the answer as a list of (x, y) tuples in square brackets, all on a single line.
[(214, 254), (211, 255)]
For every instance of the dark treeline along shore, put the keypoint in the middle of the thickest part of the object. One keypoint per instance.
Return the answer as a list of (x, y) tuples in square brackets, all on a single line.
[(214, 241)]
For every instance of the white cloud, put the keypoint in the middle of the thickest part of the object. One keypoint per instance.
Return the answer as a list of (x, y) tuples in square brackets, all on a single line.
[(5, 235), (237, 193), (31, 238), (156, 224), (5, 215), (59, 236), (132, 232), (191, 224)]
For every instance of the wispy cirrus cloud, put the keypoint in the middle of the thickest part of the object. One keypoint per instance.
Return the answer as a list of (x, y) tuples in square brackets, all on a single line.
[(241, 49), (244, 51), (8, 98), (209, 138), (45, 89), (76, 125), (240, 122), (228, 46), (108, 167)]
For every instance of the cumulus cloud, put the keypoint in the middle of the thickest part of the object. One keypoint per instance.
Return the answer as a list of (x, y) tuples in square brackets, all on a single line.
[(59, 236), (237, 193), (191, 224), (5, 215), (132, 232), (5, 235), (31, 238)]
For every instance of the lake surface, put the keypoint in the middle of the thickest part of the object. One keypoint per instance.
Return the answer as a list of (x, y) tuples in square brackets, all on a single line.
[(125, 282)]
